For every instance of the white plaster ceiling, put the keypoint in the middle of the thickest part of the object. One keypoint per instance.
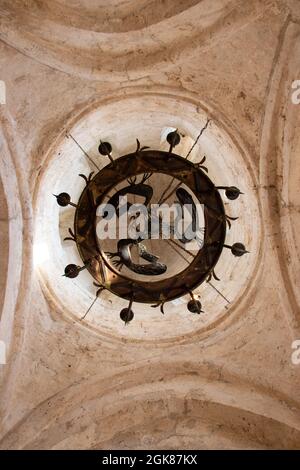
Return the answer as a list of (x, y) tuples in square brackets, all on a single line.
[(224, 379)]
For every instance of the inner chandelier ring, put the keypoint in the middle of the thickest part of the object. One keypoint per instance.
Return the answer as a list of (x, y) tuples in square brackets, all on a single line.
[(133, 174)]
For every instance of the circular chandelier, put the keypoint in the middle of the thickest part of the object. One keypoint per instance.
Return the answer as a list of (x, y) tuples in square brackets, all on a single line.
[(156, 260)]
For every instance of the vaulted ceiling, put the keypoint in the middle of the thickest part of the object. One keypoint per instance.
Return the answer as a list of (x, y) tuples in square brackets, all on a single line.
[(128, 70)]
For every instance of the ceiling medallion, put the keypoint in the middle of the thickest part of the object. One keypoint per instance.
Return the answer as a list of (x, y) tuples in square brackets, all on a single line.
[(158, 259)]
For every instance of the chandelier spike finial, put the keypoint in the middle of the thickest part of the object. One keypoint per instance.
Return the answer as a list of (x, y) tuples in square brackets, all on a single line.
[(231, 192), (127, 314), (194, 305), (237, 249), (105, 149), (64, 199), (173, 138)]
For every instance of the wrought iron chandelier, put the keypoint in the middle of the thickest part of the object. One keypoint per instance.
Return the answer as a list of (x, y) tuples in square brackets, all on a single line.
[(148, 278)]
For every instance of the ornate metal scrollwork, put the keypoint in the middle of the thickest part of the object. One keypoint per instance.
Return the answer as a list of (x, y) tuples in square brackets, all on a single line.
[(135, 174)]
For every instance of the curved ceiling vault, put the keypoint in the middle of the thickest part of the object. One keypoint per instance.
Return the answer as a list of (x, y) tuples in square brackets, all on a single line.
[(117, 72)]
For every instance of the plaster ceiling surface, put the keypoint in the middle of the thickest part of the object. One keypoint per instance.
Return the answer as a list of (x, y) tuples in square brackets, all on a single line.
[(118, 71)]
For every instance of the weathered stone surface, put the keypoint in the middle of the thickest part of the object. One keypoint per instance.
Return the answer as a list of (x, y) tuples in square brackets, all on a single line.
[(131, 69)]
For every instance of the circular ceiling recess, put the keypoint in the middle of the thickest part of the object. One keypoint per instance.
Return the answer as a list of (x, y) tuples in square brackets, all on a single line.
[(157, 150)]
